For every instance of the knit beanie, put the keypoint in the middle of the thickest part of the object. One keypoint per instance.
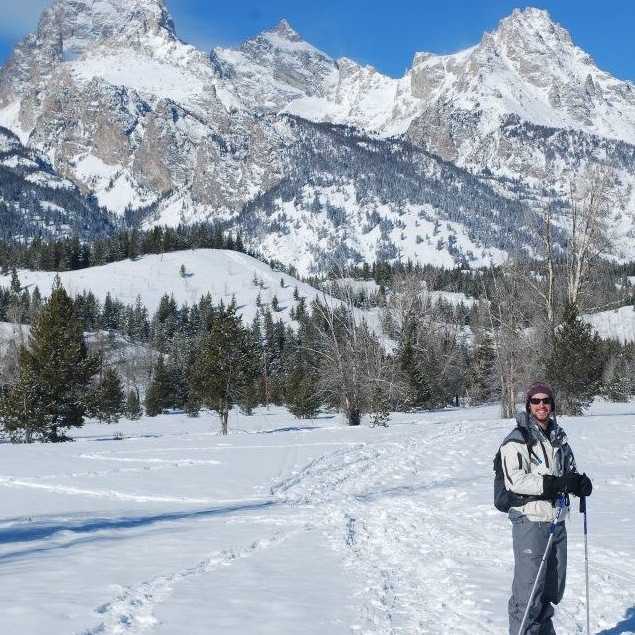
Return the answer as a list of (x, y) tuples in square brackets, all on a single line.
[(540, 387)]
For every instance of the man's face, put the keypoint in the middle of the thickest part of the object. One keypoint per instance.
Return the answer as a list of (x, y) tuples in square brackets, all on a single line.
[(540, 407)]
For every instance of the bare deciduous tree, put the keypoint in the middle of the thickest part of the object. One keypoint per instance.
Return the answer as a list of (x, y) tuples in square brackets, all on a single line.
[(342, 377), (355, 369), (509, 335), (592, 195), (592, 199)]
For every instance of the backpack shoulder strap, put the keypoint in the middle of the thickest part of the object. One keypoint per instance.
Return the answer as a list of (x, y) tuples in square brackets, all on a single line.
[(527, 439)]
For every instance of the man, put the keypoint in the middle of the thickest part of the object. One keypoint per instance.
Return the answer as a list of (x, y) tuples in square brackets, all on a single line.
[(539, 469)]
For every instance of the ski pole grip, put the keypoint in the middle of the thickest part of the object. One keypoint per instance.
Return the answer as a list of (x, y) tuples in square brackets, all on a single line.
[(583, 504)]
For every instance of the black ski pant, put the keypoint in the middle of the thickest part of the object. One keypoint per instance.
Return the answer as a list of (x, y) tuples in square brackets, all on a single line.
[(530, 541)]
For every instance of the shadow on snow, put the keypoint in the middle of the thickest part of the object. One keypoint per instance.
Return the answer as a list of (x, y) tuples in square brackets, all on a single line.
[(627, 625), (29, 531)]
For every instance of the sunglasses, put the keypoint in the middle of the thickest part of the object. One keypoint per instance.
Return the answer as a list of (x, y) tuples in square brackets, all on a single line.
[(536, 400)]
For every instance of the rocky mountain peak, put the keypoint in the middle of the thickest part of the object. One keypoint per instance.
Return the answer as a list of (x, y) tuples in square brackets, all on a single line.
[(527, 36), (275, 67), (284, 30), (532, 23), (78, 24), (284, 46), (70, 28), (528, 67)]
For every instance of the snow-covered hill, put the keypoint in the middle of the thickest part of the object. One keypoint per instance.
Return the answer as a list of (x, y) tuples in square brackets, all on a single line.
[(225, 275), (188, 276), (230, 275), (296, 527)]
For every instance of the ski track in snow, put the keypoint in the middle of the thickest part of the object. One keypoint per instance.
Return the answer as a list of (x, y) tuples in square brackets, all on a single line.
[(398, 546), (131, 611)]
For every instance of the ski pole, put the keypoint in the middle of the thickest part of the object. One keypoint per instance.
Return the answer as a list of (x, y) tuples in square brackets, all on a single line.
[(554, 524), (586, 563)]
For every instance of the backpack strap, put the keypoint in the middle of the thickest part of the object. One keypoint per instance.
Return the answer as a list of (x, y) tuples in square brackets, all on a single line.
[(527, 438)]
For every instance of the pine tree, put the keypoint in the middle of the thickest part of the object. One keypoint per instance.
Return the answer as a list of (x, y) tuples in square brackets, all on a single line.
[(576, 363), (301, 395), (379, 407), (179, 391), (55, 373), (108, 398), (225, 367), (138, 327), (133, 405), (109, 316), (15, 286), (159, 390)]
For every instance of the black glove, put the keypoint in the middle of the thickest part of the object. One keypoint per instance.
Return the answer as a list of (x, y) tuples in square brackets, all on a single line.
[(576, 484), (586, 487)]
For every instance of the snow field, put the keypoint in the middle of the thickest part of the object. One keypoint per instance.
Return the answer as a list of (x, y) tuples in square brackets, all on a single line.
[(289, 526)]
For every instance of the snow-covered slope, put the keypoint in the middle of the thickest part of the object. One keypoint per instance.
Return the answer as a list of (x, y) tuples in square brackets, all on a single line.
[(225, 275), (230, 275)]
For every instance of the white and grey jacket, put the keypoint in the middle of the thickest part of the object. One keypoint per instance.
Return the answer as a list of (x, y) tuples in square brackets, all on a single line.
[(525, 464)]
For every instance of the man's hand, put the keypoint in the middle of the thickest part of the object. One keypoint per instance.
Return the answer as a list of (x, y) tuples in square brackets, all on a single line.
[(574, 483)]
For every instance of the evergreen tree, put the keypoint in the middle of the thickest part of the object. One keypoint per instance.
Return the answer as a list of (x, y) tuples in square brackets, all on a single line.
[(179, 391), (158, 395), (618, 374), (36, 305), (379, 407), (15, 286), (165, 321), (137, 322), (133, 405), (111, 313), (225, 367), (302, 395), (88, 310), (55, 373), (109, 398), (576, 363), (274, 342)]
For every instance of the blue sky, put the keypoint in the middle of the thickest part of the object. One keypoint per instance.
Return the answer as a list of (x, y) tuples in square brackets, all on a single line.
[(384, 34)]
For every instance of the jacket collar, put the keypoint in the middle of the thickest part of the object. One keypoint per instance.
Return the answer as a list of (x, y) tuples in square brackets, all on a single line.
[(524, 420)]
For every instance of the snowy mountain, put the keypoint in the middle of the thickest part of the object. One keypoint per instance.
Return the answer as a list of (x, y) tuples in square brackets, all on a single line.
[(320, 161)]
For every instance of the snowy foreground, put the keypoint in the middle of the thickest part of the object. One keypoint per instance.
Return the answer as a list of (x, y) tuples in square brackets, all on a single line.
[(289, 527)]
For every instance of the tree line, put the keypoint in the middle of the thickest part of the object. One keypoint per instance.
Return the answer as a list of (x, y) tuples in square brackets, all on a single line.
[(68, 254), (421, 352), (413, 349)]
